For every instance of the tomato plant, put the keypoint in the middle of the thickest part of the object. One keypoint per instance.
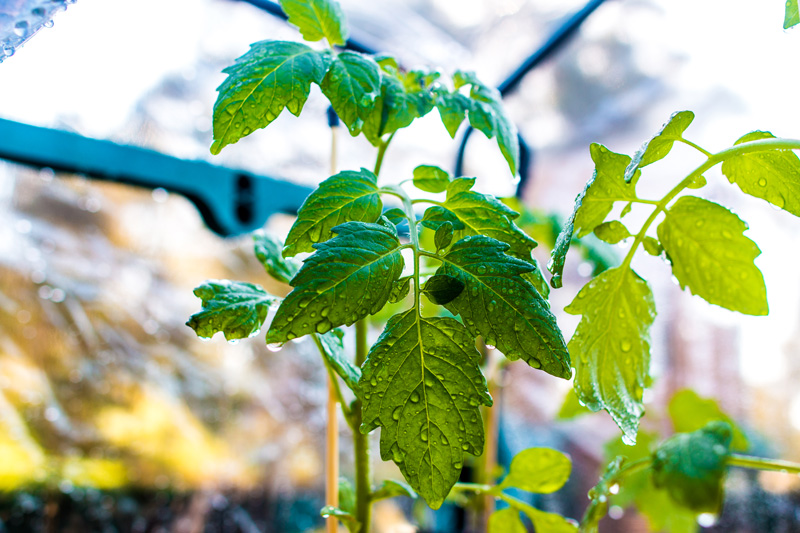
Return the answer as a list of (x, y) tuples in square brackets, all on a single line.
[(474, 278)]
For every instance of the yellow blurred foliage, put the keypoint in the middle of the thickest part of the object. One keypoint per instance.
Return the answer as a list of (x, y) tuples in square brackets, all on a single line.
[(161, 430)]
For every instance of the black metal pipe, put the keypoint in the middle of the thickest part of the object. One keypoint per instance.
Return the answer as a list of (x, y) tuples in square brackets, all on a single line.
[(550, 46)]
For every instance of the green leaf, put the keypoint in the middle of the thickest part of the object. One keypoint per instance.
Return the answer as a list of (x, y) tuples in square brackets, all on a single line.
[(317, 19), (536, 278), (690, 412), (400, 289), (612, 232), (660, 145), (395, 108), (571, 408), (391, 488), (474, 213), (443, 236), (442, 289), (332, 344), (499, 304), (691, 467), (453, 109), (396, 216), (792, 17), (423, 385), (236, 308), (662, 513), (343, 516), (652, 246), (611, 345), (352, 85), (540, 470), (487, 115), (772, 175), (346, 279), (710, 254), (430, 178), (271, 76), (268, 251), (606, 187), (550, 522), (344, 197), (347, 496), (506, 521)]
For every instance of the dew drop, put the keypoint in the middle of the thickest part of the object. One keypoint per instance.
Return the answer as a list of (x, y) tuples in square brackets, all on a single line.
[(414, 397), (465, 447), (762, 182), (275, 347), (396, 413), (625, 346), (706, 519), (424, 435), (481, 270)]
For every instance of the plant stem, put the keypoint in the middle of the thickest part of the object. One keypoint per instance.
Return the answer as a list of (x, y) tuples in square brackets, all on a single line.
[(693, 145), (715, 159), (494, 491), (758, 463), (381, 152), (363, 475)]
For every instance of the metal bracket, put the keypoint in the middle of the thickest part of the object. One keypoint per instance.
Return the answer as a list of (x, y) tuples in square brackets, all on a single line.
[(231, 202)]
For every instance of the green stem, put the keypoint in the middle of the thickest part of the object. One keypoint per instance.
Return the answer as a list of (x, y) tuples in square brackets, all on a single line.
[(494, 490), (693, 145), (381, 152), (715, 159), (363, 475), (425, 201), (758, 463)]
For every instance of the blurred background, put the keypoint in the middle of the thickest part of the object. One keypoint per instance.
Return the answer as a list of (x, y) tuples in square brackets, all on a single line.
[(115, 417)]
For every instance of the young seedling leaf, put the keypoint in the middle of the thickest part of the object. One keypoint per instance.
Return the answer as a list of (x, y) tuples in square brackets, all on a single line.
[(500, 305), (430, 178), (343, 516), (391, 488), (506, 521), (317, 20), (395, 215), (652, 246), (344, 197), (352, 85), (540, 470), (423, 386), (268, 250), (772, 175), (612, 232), (611, 345), (487, 115), (453, 109), (235, 308), (400, 289), (474, 213), (606, 187), (550, 522), (690, 412), (346, 279), (710, 254), (792, 17), (691, 467), (443, 236), (442, 289), (660, 145), (347, 496), (271, 76), (395, 108), (332, 344)]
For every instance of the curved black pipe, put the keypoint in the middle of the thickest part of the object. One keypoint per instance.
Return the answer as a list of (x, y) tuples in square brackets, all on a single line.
[(553, 43)]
